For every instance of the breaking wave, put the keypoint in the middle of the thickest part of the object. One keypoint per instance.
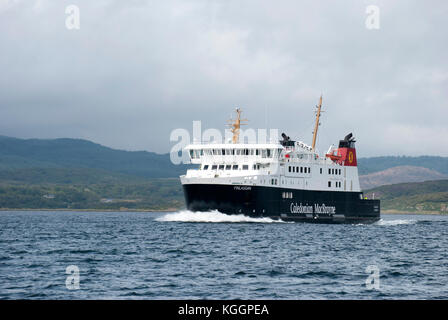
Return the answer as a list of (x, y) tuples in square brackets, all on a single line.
[(211, 216), (395, 222)]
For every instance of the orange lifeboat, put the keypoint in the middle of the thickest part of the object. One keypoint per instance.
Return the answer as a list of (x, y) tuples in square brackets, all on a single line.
[(333, 156)]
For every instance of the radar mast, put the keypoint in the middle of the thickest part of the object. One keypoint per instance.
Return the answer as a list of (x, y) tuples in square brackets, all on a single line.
[(236, 125), (317, 123)]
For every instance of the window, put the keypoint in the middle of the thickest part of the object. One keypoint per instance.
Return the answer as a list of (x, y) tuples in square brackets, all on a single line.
[(301, 169), (329, 171), (214, 167), (228, 167), (268, 153), (289, 169), (287, 195), (245, 167), (329, 184), (235, 167), (339, 171), (309, 170), (205, 167), (320, 170), (263, 153), (221, 167)]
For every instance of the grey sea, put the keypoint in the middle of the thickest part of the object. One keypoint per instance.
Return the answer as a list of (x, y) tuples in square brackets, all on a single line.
[(187, 255)]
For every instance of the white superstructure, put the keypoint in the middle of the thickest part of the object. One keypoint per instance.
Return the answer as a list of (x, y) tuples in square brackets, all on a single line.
[(287, 164), (275, 165)]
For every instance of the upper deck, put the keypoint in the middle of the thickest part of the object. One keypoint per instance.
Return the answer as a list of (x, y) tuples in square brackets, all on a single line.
[(253, 153)]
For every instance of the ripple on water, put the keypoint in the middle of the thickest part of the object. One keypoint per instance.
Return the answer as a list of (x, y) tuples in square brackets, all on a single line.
[(130, 255)]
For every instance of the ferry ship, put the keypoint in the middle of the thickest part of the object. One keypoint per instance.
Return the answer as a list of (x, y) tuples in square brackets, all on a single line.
[(287, 180)]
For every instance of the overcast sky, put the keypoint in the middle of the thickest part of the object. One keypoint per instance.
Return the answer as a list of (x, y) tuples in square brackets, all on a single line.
[(136, 70)]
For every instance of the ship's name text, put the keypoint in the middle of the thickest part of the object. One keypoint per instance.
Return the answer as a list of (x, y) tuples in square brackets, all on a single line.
[(242, 188), (320, 209)]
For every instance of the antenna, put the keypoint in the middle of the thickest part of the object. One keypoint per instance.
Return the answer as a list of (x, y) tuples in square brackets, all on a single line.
[(235, 125), (317, 123)]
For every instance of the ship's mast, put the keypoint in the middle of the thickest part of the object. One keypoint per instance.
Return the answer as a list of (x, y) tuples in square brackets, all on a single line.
[(235, 126), (317, 123)]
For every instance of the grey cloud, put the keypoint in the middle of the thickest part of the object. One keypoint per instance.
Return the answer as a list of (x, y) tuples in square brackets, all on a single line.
[(136, 70)]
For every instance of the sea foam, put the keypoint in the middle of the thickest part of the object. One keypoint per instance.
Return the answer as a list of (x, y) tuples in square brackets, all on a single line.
[(395, 222), (211, 216)]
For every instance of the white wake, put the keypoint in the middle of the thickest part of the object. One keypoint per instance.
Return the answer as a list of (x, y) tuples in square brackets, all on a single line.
[(395, 222), (211, 216)]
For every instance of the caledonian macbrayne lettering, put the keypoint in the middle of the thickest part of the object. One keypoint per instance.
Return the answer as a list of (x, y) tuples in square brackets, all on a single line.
[(320, 209)]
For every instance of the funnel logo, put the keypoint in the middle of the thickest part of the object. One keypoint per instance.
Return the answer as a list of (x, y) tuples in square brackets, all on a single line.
[(350, 157)]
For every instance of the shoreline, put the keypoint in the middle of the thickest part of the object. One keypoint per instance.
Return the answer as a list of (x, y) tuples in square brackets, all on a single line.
[(386, 212), (421, 213), (93, 210)]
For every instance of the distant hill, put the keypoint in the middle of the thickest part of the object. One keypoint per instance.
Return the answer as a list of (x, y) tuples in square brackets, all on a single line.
[(430, 196), (76, 176), (18, 154), (153, 194), (80, 161), (400, 174), (375, 164), (79, 174)]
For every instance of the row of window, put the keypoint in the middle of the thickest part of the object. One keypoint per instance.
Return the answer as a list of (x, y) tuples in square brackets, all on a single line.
[(294, 169), (287, 195), (338, 184), (299, 169), (335, 171), (233, 167), (264, 153), (225, 167)]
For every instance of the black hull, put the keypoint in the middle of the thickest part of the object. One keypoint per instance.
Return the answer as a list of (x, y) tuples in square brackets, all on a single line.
[(303, 206)]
